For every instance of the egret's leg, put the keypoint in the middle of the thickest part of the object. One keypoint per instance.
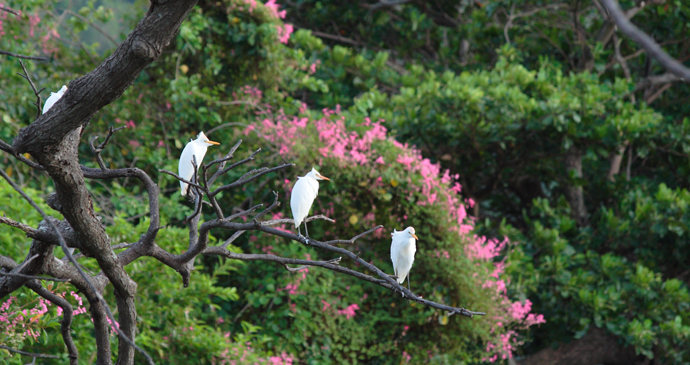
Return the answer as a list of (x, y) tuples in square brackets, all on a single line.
[(299, 232), (408, 282), (305, 228)]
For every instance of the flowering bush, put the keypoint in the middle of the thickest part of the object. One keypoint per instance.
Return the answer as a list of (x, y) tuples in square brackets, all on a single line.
[(377, 180)]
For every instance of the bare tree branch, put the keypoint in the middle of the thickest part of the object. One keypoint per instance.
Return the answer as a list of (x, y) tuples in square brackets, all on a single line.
[(9, 10), (97, 150), (23, 56), (656, 80), (36, 92), (646, 41), (33, 277), (241, 181), (40, 356)]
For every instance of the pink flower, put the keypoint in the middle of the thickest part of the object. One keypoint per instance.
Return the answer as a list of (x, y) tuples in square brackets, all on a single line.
[(406, 357), (349, 312), (284, 33)]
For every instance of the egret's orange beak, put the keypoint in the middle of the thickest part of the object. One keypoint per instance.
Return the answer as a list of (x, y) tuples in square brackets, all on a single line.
[(415, 236), (211, 142), (323, 177)]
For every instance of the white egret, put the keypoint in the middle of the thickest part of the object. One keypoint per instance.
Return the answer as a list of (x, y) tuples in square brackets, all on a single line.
[(303, 194), (194, 149), (402, 253), (53, 98)]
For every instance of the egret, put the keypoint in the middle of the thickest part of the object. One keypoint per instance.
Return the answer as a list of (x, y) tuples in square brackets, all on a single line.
[(195, 149), (303, 194), (53, 98), (402, 253)]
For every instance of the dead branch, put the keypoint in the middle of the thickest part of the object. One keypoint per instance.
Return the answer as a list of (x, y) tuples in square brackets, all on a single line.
[(644, 40), (23, 56), (36, 92), (40, 356)]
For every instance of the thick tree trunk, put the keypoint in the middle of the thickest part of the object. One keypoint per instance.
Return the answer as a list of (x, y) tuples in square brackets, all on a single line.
[(574, 192)]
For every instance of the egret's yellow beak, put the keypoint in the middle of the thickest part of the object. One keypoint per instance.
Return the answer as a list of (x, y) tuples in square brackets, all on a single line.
[(415, 236), (323, 177), (211, 142)]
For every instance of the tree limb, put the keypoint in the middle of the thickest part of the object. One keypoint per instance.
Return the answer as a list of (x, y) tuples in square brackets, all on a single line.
[(40, 356), (23, 56), (646, 41)]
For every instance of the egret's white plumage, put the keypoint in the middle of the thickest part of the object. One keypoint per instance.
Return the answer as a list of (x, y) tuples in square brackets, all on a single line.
[(53, 98), (403, 248), (197, 149), (303, 194)]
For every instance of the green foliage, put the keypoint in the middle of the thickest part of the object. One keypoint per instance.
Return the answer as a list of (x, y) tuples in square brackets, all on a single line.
[(501, 117), (606, 290)]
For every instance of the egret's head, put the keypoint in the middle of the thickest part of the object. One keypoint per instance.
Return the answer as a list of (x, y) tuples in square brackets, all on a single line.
[(63, 89), (410, 231), (316, 175), (203, 139)]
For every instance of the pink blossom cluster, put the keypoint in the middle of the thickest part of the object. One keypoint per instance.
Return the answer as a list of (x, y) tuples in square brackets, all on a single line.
[(516, 315), (284, 30), (349, 312), (17, 322)]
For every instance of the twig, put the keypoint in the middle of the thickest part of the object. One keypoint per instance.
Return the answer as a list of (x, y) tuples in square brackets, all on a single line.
[(244, 212), (276, 222), (222, 170), (33, 277), (511, 17), (295, 269), (276, 203), (232, 238), (23, 56), (335, 38), (37, 92), (97, 150), (645, 41), (181, 179), (9, 10), (227, 157), (384, 3), (40, 356), (241, 182)]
